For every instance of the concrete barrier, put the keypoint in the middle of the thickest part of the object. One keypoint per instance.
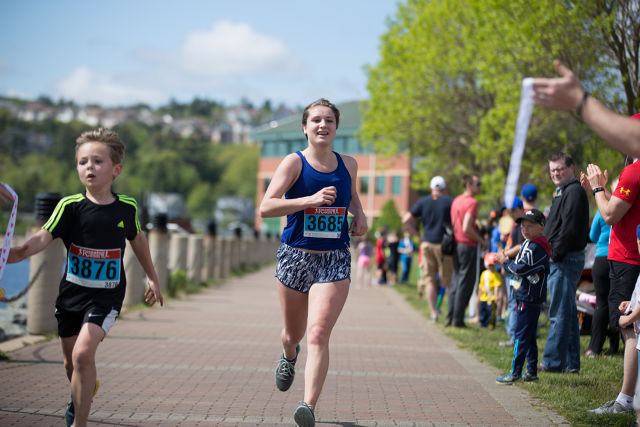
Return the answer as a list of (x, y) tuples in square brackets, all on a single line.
[(195, 258), (159, 248), (136, 279), (209, 267), (178, 251), (41, 299), (225, 258)]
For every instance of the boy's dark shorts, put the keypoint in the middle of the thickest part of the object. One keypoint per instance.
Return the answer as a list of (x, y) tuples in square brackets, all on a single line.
[(299, 270), (623, 280), (70, 322)]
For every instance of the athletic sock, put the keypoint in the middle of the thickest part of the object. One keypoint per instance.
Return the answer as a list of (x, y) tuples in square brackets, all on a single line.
[(624, 400)]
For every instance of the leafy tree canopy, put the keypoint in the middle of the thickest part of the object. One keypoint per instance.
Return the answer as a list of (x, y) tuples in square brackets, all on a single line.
[(447, 87)]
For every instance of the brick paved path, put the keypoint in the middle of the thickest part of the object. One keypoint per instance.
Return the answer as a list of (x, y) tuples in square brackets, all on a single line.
[(209, 359)]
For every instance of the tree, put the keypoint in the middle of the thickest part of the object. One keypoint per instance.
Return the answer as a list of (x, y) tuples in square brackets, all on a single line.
[(240, 172), (389, 217), (620, 29), (448, 86)]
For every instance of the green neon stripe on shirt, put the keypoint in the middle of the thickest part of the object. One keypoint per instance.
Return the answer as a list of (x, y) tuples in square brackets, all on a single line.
[(131, 201), (60, 207)]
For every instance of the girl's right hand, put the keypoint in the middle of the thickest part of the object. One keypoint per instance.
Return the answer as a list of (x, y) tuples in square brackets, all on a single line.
[(326, 196), (623, 306)]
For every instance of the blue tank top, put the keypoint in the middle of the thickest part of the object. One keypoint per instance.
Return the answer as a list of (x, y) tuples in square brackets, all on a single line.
[(324, 228)]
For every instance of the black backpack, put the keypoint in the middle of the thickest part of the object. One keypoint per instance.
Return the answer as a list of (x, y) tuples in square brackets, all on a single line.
[(448, 244)]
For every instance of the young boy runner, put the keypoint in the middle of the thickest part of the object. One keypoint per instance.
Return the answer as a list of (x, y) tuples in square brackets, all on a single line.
[(529, 271), (93, 226)]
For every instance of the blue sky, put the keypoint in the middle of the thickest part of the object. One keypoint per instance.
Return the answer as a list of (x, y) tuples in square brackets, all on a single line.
[(121, 52)]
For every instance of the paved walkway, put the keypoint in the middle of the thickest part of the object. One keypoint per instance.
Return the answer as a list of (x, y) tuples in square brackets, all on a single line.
[(208, 359)]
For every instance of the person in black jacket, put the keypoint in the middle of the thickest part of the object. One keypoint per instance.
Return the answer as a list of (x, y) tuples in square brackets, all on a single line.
[(566, 230), (527, 273)]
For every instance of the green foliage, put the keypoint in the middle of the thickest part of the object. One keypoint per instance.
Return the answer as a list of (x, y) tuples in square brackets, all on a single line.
[(448, 87), (240, 162), (389, 217), (179, 284)]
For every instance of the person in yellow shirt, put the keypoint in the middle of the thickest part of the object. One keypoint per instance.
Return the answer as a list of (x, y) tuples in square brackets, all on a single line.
[(490, 281)]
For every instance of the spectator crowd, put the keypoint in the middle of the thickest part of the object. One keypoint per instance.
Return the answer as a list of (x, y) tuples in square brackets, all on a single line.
[(534, 260)]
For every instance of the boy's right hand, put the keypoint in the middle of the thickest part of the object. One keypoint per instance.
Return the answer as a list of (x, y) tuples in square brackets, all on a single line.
[(5, 195), (15, 254)]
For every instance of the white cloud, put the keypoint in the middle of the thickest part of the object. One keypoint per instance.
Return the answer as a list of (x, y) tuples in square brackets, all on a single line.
[(230, 48), (85, 86)]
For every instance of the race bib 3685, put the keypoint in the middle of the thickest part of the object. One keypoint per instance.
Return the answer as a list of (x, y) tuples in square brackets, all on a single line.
[(324, 222)]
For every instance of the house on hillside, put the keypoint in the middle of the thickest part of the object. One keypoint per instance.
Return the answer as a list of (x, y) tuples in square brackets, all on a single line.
[(380, 178)]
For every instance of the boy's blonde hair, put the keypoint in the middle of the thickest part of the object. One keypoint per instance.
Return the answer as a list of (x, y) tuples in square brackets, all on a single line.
[(107, 137)]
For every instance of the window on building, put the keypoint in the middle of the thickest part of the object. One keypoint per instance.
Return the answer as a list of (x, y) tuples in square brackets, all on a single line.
[(352, 146), (396, 185), (364, 185), (380, 184), (298, 145), (269, 149), (339, 145)]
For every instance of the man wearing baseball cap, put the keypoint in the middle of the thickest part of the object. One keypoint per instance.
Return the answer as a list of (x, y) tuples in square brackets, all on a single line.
[(434, 213)]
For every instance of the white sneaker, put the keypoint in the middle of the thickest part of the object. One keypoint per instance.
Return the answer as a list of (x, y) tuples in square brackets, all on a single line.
[(612, 407)]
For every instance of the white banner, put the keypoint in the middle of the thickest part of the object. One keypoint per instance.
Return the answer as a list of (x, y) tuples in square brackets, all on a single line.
[(8, 235), (524, 114)]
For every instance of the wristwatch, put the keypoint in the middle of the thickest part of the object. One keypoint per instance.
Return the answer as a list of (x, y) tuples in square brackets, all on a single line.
[(597, 189)]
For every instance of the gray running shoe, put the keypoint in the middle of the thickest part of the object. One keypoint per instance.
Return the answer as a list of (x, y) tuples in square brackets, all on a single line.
[(69, 414), (508, 378), (304, 415), (285, 371), (612, 407)]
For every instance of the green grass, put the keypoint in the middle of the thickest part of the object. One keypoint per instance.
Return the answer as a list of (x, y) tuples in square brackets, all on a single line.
[(571, 395)]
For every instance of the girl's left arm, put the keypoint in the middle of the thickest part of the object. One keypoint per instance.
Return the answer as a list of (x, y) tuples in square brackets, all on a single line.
[(359, 223), (141, 249)]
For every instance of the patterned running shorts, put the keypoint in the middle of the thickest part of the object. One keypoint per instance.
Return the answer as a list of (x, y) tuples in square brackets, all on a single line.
[(299, 270)]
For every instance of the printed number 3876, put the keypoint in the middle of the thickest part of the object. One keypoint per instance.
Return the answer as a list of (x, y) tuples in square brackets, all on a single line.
[(93, 269)]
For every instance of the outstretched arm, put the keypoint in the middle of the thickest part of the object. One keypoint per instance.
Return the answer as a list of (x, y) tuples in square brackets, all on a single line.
[(36, 243), (565, 93), (141, 249)]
